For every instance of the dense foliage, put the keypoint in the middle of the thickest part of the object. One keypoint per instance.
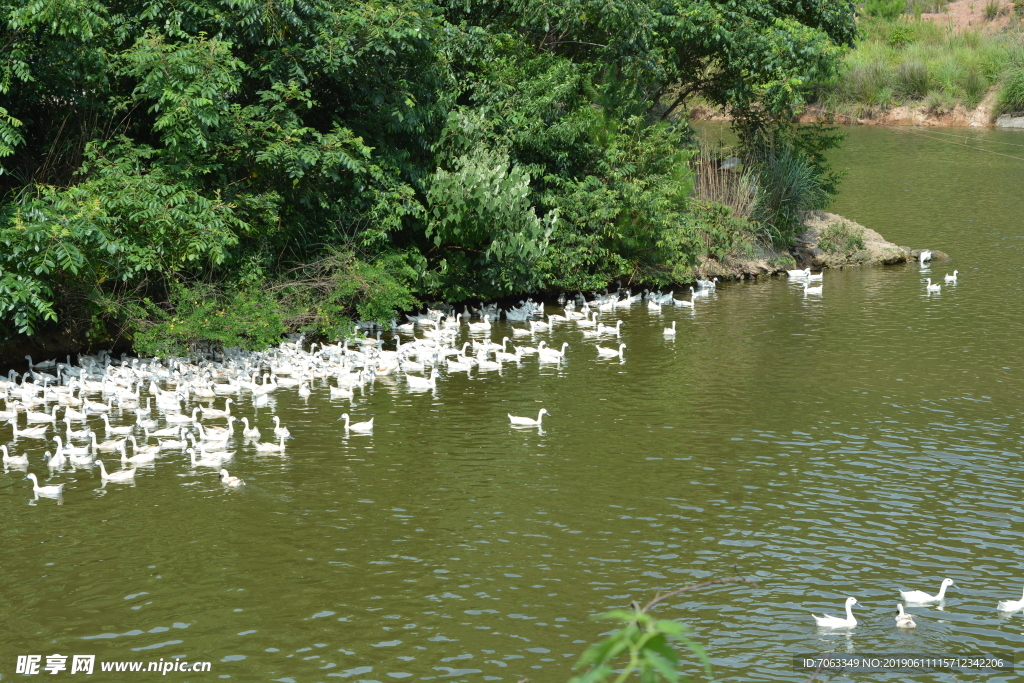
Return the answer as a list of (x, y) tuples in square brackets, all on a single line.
[(401, 149)]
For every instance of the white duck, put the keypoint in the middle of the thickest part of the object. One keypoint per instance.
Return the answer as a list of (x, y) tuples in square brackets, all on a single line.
[(121, 476), (920, 597), (1010, 605), (69, 449), (670, 331), (269, 447), (210, 412), (415, 382), (481, 327), (358, 427), (925, 255), (829, 621), (56, 461), (279, 430), (605, 352), (230, 481), (250, 432), (208, 460), (528, 421), (952, 278), (548, 355), (30, 432), (117, 431), (108, 446), (13, 460), (143, 454), (52, 491), (904, 620), (933, 288), (812, 290), (799, 273)]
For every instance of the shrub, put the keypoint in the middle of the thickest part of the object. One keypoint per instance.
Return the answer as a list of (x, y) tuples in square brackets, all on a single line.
[(938, 102), (912, 79), (900, 34), (791, 186), (1011, 93), (202, 315), (975, 85), (864, 81), (884, 9), (993, 8), (841, 237)]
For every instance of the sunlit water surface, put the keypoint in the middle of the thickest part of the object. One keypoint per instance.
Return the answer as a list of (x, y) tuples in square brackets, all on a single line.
[(851, 444)]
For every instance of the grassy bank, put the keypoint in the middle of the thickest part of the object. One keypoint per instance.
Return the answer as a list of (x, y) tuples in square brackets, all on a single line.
[(930, 63)]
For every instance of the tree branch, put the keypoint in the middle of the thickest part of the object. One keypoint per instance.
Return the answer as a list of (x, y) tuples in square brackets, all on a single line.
[(684, 589)]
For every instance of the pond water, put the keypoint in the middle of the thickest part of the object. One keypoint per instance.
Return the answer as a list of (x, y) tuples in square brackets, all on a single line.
[(853, 444)]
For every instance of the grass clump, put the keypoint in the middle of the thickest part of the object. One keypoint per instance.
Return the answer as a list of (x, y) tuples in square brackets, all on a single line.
[(841, 237), (1011, 92), (906, 62)]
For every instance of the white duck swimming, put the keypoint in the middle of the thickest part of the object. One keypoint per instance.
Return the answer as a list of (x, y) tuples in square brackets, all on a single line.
[(904, 620), (933, 288), (528, 421), (605, 352), (56, 461), (270, 447), (952, 278), (120, 476), (52, 491), (829, 621), (208, 460), (249, 432), (358, 427), (920, 597), (143, 454), (420, 383), (279, 430), (230, 481), (670, 331), (14, 460), (1010, 605)]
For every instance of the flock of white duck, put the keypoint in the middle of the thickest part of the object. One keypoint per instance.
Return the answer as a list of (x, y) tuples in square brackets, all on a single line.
[(67, 404), (806, 277), (904, 619)]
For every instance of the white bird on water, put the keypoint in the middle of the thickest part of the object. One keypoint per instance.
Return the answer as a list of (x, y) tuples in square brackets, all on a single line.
[(812, 290), (1010, 605), (904, 620), (925, 255), (270, 447), (528, 421), (358, 427), (121, 476), (670, 331), (14, 460), (933, 288), (52, 491), (605, 352), (920, 597), (952, 278), (829, 621), (230, 481)]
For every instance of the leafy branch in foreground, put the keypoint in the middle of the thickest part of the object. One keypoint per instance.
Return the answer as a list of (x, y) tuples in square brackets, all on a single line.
[(647, 643)]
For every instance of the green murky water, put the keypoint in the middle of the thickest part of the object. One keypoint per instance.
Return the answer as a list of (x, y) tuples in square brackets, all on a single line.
[(853, 444)]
